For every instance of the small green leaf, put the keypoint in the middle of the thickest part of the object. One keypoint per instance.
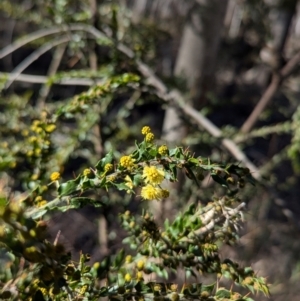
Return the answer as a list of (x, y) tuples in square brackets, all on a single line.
[(80, 202), (220, 180), (107, 159), (208, 288), (69, 187), (121, 186), (223, 293), (119, 259)]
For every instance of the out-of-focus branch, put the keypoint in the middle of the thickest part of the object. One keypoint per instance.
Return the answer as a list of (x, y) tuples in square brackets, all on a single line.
[(45, 89), (39, 79), (34, 56), (29, 38), (276, 81)]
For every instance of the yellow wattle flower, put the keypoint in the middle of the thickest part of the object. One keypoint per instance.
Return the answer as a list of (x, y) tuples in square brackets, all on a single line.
[(127, 161), (150, 192), (163, 150), (55, 176), (149, 137), (129, 183), (153, 175), (146, 130)]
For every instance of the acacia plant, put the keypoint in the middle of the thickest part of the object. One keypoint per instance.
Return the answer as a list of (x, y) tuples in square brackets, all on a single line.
[(37, 269), (39, 139)]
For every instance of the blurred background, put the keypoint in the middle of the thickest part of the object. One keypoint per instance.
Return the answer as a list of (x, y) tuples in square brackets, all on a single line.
[(236, 63)]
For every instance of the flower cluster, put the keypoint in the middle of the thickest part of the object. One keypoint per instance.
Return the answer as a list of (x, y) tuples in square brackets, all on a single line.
[(127, 162), (146, 130), (108, 167), (149, 136), (150, 192), (152, 175), (55, 176), (87, 172), (163, 150)]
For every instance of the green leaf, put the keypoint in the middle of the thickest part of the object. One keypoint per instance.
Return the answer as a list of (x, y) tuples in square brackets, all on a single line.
[(3, 202), (107, 159), (208, 288), (194, 161), (220, 180), (190, 174), (39, 214), (137, 179), (80, 202), (69, 187), (119, 259), (122, 186), (172, 152), (193, 290), (223, 293)]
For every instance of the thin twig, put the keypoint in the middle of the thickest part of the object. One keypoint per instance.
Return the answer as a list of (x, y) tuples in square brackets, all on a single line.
[(276, 81), (54, 65), (281, 128), (27, 39), (34, 56)]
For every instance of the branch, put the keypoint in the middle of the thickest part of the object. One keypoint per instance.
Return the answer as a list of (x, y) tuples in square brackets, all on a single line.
[(276, 81), (39, 79), (34, 56), (54, 65), (29, 38), (169, 96)]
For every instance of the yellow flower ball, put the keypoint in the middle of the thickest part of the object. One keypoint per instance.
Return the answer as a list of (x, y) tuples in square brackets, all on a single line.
[(36, 122), (108, 167), (34, 177), (87, 172), (146, 130), (150, 192), (127, 277), (140, 265), (127, 162), (139, 276), (42, 203), (149, 137), (38, 198), (163, 150), (153, 175), (50, 128), (55, 176), (32, 139), (128, 259)]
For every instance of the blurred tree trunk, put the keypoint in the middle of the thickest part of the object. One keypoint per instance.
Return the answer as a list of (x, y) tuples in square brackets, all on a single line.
[(196, 60)]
